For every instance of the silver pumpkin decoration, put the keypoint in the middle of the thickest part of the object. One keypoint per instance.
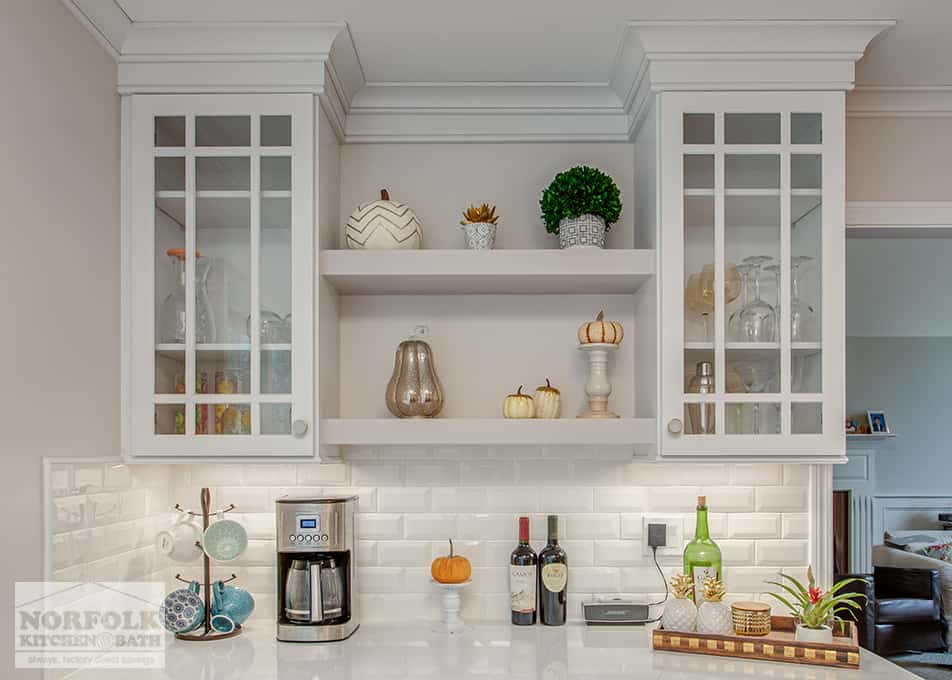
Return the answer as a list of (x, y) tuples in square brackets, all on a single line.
[(414, 390)]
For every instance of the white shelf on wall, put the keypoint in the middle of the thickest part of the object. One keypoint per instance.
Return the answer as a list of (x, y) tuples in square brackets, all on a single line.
[(859, 439), (487, 431), (440, 272)]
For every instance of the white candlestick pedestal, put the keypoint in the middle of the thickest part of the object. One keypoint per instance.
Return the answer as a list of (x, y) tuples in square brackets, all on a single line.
[(598, 388), (452, 602)]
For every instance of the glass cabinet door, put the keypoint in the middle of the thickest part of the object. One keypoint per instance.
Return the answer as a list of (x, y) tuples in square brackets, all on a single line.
[(228, 258), (747, 272)]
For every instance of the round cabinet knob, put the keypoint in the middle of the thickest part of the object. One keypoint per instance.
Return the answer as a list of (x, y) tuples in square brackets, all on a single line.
[(299, 428), (675, 426)]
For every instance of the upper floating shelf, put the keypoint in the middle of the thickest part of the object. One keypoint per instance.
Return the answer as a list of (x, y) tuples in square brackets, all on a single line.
[(441, 272)]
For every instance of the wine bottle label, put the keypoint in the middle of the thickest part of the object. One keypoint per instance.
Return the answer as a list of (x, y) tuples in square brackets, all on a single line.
[(699, 574), (522, 588), (554, 577)]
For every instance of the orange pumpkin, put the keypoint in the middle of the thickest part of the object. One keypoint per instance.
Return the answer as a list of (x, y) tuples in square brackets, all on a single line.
[(451, 569)]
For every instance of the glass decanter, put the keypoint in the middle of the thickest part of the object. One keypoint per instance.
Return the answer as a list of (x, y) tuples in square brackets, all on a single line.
[(173, 312)]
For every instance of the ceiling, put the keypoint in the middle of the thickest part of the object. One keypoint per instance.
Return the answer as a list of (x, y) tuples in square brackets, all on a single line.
[(560, 41)]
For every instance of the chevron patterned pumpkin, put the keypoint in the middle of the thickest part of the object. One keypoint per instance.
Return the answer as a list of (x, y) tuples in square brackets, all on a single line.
[(384, 225)]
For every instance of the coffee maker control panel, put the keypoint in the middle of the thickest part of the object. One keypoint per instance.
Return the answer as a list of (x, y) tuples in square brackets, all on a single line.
[(307, 531)]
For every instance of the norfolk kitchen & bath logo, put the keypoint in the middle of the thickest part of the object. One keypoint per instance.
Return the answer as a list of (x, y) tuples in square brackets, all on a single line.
[(88, 625)]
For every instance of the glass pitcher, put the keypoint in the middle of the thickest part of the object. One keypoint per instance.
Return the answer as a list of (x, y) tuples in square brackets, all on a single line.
[(172, 320)]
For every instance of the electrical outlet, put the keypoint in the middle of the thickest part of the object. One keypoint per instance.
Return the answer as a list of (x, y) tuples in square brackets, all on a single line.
[(673, 534)]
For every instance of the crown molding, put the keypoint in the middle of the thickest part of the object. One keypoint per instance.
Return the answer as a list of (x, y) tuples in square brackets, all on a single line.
[(320, 58), (900, 101)]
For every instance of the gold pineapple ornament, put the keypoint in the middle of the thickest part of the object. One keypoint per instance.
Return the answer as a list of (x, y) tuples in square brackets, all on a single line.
[(713, 615), (680, 614), (479, 226)]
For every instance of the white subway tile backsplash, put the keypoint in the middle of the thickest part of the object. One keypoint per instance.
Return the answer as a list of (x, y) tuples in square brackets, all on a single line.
[(757, 474), (796, 525), (403, 499), (433, 472), (380, 579), (594, 579), (487, 527), (753, 525), (591, 526), (556, 500), (488, 472), (671, 499), (782, 553), (376, 474), (619, 499), (730, 498), (518, 499), (404, 553), (429, 526), (632, 526), (379, 526), (320, 474), (260, 474), (413, 499), (620, 553), (458, 499), (782, 499), (543, 472)]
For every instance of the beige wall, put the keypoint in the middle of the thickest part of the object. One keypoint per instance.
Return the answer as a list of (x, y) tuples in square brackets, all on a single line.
[(59, 277), (898, 159)]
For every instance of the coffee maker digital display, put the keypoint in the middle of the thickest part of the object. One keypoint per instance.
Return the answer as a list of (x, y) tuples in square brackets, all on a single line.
[(316, 568)]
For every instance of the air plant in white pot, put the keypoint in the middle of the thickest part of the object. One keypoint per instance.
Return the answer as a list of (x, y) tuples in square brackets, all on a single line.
[(816, 610)]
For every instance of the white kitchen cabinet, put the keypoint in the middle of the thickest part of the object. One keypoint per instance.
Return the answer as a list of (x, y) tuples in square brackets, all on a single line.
[(751, 191), (218, 275)]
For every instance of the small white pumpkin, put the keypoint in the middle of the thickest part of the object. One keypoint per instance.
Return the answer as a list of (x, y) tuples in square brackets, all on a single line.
[(548, 401), (600, 330), (384, 225), (518, 405)]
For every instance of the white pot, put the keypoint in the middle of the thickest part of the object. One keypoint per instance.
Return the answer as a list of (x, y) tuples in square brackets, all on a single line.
[(824, 634), (480, 235), (680, 615), (584, 230), (714, 618)]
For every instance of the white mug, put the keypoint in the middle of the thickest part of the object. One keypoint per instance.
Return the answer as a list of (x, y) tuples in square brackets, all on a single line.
[(178, 542)]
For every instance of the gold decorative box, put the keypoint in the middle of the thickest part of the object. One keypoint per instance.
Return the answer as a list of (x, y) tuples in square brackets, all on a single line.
[(750, 618)]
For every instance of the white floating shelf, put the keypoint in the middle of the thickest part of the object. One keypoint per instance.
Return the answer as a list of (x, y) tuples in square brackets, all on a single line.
[(488, 431), (440, 272), (879, 436)]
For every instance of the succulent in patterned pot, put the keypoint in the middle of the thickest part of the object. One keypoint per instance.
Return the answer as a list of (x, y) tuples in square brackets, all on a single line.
[(600, 330), (518, 405), (479, 226), (817, 610), (580, 205), (680, 614), (384, 225), (548, 401), (713, 615)]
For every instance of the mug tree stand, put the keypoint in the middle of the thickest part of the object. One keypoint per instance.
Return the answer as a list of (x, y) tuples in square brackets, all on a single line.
[(206, 632)]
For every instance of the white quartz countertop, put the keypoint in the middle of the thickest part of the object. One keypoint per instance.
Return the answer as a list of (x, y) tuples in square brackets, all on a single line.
[(494, 650)]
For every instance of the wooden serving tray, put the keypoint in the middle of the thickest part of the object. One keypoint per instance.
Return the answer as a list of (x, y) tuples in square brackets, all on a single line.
[(778, 645)]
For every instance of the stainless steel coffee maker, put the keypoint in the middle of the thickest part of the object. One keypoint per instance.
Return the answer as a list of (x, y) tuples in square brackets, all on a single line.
[(317, 568)]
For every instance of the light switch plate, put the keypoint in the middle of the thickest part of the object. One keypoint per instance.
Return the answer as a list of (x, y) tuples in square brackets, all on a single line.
[(674, 537)]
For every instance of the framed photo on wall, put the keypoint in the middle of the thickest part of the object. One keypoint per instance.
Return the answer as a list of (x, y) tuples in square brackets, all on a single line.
[(877, 422)]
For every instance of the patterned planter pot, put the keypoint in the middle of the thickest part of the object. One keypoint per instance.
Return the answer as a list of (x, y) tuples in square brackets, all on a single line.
[(584, 230), (479, 235)]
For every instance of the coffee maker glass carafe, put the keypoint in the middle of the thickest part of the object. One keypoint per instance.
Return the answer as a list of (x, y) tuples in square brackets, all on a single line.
[(313, 591)]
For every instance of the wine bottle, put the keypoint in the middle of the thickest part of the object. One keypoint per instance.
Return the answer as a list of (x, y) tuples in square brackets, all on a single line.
[(523, 565), (553, 578), (702, 557)]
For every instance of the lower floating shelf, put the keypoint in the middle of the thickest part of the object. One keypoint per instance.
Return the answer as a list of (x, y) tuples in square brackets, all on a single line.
[(488, 431)]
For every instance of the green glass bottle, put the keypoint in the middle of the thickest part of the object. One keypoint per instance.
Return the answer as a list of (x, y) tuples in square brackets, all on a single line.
[(702, 557)]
